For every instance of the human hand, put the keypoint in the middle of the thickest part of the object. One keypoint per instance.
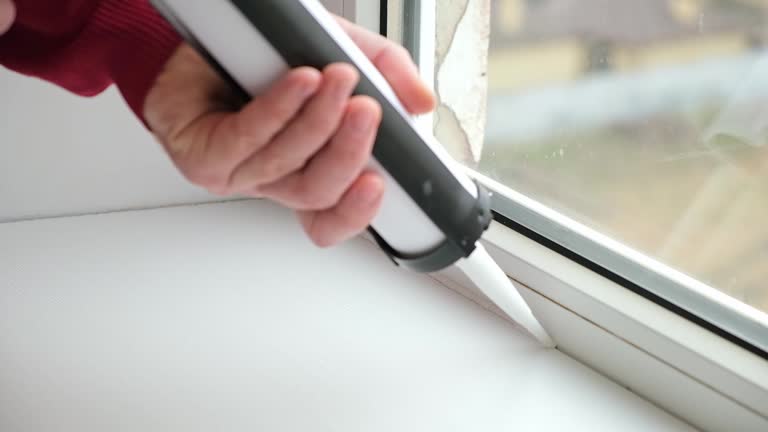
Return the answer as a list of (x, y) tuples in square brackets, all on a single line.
[(304, 143)]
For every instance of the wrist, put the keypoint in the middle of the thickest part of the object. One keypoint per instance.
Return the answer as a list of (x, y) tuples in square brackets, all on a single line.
[(142, 44)]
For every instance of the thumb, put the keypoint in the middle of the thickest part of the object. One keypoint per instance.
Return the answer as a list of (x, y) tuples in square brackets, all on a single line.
[(186, 90)]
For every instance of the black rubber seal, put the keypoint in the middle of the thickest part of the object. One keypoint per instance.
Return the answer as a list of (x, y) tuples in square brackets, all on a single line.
[(383, 17), (447, 253), (626, 283)]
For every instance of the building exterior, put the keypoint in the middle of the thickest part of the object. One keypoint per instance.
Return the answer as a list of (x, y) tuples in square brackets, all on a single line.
[(549, 41)]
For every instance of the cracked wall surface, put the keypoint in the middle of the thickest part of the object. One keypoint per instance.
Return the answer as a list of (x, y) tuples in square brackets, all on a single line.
[(461, 59)]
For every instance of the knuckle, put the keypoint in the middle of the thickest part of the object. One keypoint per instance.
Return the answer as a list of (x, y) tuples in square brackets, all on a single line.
[(264, 112), (241, 144), (321, 121), (350, 155), (279, 112), (243, 136), (315, 203)]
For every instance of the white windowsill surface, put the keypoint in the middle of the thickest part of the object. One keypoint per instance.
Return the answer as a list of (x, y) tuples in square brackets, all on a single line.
[(223, 317)]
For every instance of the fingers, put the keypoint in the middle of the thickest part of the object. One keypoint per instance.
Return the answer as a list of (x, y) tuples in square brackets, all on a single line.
[(262, 119), (206, 141), (304, 143), (351, 216), (307, 133), (332, 171), (395, 63)]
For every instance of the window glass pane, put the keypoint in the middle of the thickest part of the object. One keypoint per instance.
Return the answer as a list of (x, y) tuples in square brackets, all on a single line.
[(646, 120)]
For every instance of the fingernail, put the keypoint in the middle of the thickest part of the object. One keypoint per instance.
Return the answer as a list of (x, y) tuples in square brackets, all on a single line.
[(342, 89), (362, 121), (344, 85)]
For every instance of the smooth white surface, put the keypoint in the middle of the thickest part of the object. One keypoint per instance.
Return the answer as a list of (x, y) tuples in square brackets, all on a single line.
[(61, 154), (223, 317)]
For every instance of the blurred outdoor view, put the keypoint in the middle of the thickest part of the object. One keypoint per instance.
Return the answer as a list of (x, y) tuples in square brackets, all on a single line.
[(644, 119)]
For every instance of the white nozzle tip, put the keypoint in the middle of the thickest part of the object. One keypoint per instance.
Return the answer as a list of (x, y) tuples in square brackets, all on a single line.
[(492, 281), (543, 337)]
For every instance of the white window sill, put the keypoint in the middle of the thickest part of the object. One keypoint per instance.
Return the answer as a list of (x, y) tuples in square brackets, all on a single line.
[(223, 317)]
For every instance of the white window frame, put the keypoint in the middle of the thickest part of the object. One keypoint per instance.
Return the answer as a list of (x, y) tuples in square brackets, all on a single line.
[(678, 365)]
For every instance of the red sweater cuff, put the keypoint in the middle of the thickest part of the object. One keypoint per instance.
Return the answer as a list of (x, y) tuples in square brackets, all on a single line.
[(141, 44), (87, 45)]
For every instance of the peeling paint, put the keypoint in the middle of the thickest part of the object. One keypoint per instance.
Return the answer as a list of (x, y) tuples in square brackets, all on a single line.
[(449, 15), (450, 134), (463, 30)]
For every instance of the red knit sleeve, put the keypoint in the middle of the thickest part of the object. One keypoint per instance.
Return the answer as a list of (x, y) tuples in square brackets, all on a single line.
[(85, 46)]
